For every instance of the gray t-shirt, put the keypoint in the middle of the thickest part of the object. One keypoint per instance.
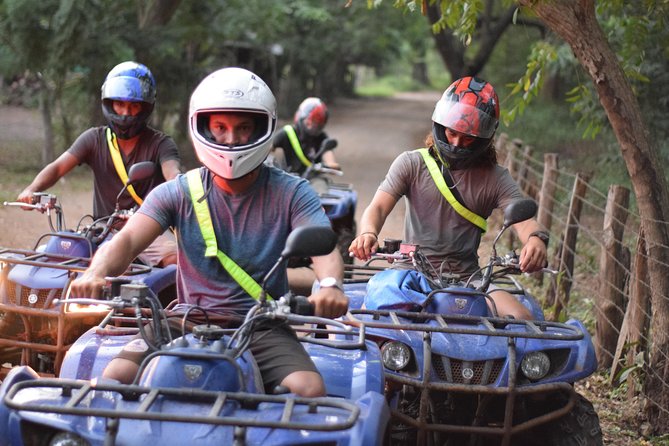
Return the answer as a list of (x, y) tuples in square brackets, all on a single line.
[(432, 223), (251, 228), (91, 148)]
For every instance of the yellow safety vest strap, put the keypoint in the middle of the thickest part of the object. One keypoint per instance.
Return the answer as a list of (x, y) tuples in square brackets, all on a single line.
[(295, 142), (201, 209), (437, 177), (118, 164)]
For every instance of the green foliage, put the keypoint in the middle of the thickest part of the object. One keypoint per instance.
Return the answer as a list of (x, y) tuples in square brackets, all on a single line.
[(63, 49), (529, 85), (461, 16), (632, 372)]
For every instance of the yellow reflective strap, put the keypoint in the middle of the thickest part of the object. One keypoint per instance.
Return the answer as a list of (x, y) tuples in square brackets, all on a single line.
[(295, 142), (244, 280), (118, 164), (438, 178), (201, 209)]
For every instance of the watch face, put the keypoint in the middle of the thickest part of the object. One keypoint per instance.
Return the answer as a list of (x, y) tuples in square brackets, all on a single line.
[(328, 282)]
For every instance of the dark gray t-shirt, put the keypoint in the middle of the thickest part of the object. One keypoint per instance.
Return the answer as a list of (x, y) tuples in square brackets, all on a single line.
[(91, 148), (251, 228), (432, 223)]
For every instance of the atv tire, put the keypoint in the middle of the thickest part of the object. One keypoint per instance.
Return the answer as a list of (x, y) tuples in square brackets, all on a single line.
[(580, 427)]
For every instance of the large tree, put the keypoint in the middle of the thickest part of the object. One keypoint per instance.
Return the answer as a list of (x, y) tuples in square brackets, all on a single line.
[(576, 22)]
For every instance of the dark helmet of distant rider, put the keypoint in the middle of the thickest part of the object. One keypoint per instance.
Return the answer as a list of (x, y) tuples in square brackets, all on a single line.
[(468, 106), (311, 116), (131, 82)]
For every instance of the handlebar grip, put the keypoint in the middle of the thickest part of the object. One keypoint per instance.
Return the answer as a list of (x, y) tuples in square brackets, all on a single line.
[(301, 305)]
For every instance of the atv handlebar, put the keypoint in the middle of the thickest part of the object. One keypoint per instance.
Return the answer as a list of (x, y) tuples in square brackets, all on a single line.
[(321, 168), (44, 203)]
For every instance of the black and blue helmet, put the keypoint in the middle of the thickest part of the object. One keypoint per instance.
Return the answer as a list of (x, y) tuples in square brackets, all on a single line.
[(132, 82)]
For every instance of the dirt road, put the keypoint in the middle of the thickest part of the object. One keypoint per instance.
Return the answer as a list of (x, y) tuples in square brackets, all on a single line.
[(371, 133)]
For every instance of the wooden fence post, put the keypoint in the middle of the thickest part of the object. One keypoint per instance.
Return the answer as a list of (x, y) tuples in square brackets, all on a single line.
[(561, 286), (547, 197), (501, 148), (524, 172), (613, 267), (512, 157)]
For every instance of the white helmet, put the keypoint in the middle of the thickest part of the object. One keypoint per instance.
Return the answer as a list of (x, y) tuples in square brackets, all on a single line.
[(232, 90)]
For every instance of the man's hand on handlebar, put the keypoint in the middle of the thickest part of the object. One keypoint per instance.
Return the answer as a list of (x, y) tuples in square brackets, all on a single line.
[(364, 245), (88, 285), (533, 256), (330, 302)]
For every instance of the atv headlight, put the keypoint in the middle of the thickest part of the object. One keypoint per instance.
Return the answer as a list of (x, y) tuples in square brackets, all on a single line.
[(68, 439), (395, 355), (535, 365)]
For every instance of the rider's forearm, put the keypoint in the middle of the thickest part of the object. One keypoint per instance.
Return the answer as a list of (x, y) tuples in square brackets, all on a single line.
[(524, 229), (376, 213), (372, 220), (330, 265), (44, 180), (112, 259)]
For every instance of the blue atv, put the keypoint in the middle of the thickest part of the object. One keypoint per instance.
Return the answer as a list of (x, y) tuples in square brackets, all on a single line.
[(456, 373), (32, 330), (338, 199), (202, 387)]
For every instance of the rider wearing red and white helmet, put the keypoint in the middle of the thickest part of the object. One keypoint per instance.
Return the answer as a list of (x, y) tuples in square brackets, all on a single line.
[(470, 107), (452, 186), (298, 145)]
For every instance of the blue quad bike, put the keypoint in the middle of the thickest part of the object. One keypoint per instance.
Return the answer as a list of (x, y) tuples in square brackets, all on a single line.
[(456, 373), (338, 199), (202, 387), (35, 332)]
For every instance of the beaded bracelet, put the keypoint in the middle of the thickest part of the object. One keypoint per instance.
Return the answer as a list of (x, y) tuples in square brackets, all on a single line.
[(369, 232)]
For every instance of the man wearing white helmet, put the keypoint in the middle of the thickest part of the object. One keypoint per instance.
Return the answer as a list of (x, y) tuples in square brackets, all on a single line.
[(251, 210)]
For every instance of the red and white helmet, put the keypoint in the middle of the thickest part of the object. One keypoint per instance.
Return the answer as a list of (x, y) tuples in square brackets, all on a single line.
[(232, 90), (311, 116), (470, 106)]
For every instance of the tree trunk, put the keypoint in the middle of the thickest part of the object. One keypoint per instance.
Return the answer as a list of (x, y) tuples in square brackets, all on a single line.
[(48, 151), (448, 46), (155, 12), (576, 23)]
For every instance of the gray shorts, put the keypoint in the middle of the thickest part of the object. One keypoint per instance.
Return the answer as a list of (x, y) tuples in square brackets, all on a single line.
[(276, 349)]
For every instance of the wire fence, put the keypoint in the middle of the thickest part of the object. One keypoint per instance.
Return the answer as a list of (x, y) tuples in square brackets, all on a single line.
[(604, 279)]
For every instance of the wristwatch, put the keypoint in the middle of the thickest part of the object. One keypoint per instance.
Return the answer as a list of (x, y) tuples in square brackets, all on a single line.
[(331, 282), (541, 235)]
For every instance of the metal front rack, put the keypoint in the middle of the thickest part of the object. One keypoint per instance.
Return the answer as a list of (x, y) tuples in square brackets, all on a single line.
[(39, 317), (76, 393), (487, 326), (12, 256), (477, 325)]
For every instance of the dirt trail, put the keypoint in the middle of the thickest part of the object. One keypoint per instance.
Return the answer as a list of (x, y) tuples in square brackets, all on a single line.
[(371, 133)]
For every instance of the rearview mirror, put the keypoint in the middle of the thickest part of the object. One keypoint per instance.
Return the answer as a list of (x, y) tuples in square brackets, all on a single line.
[(519, 210), (310, 241), (141, 171)]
